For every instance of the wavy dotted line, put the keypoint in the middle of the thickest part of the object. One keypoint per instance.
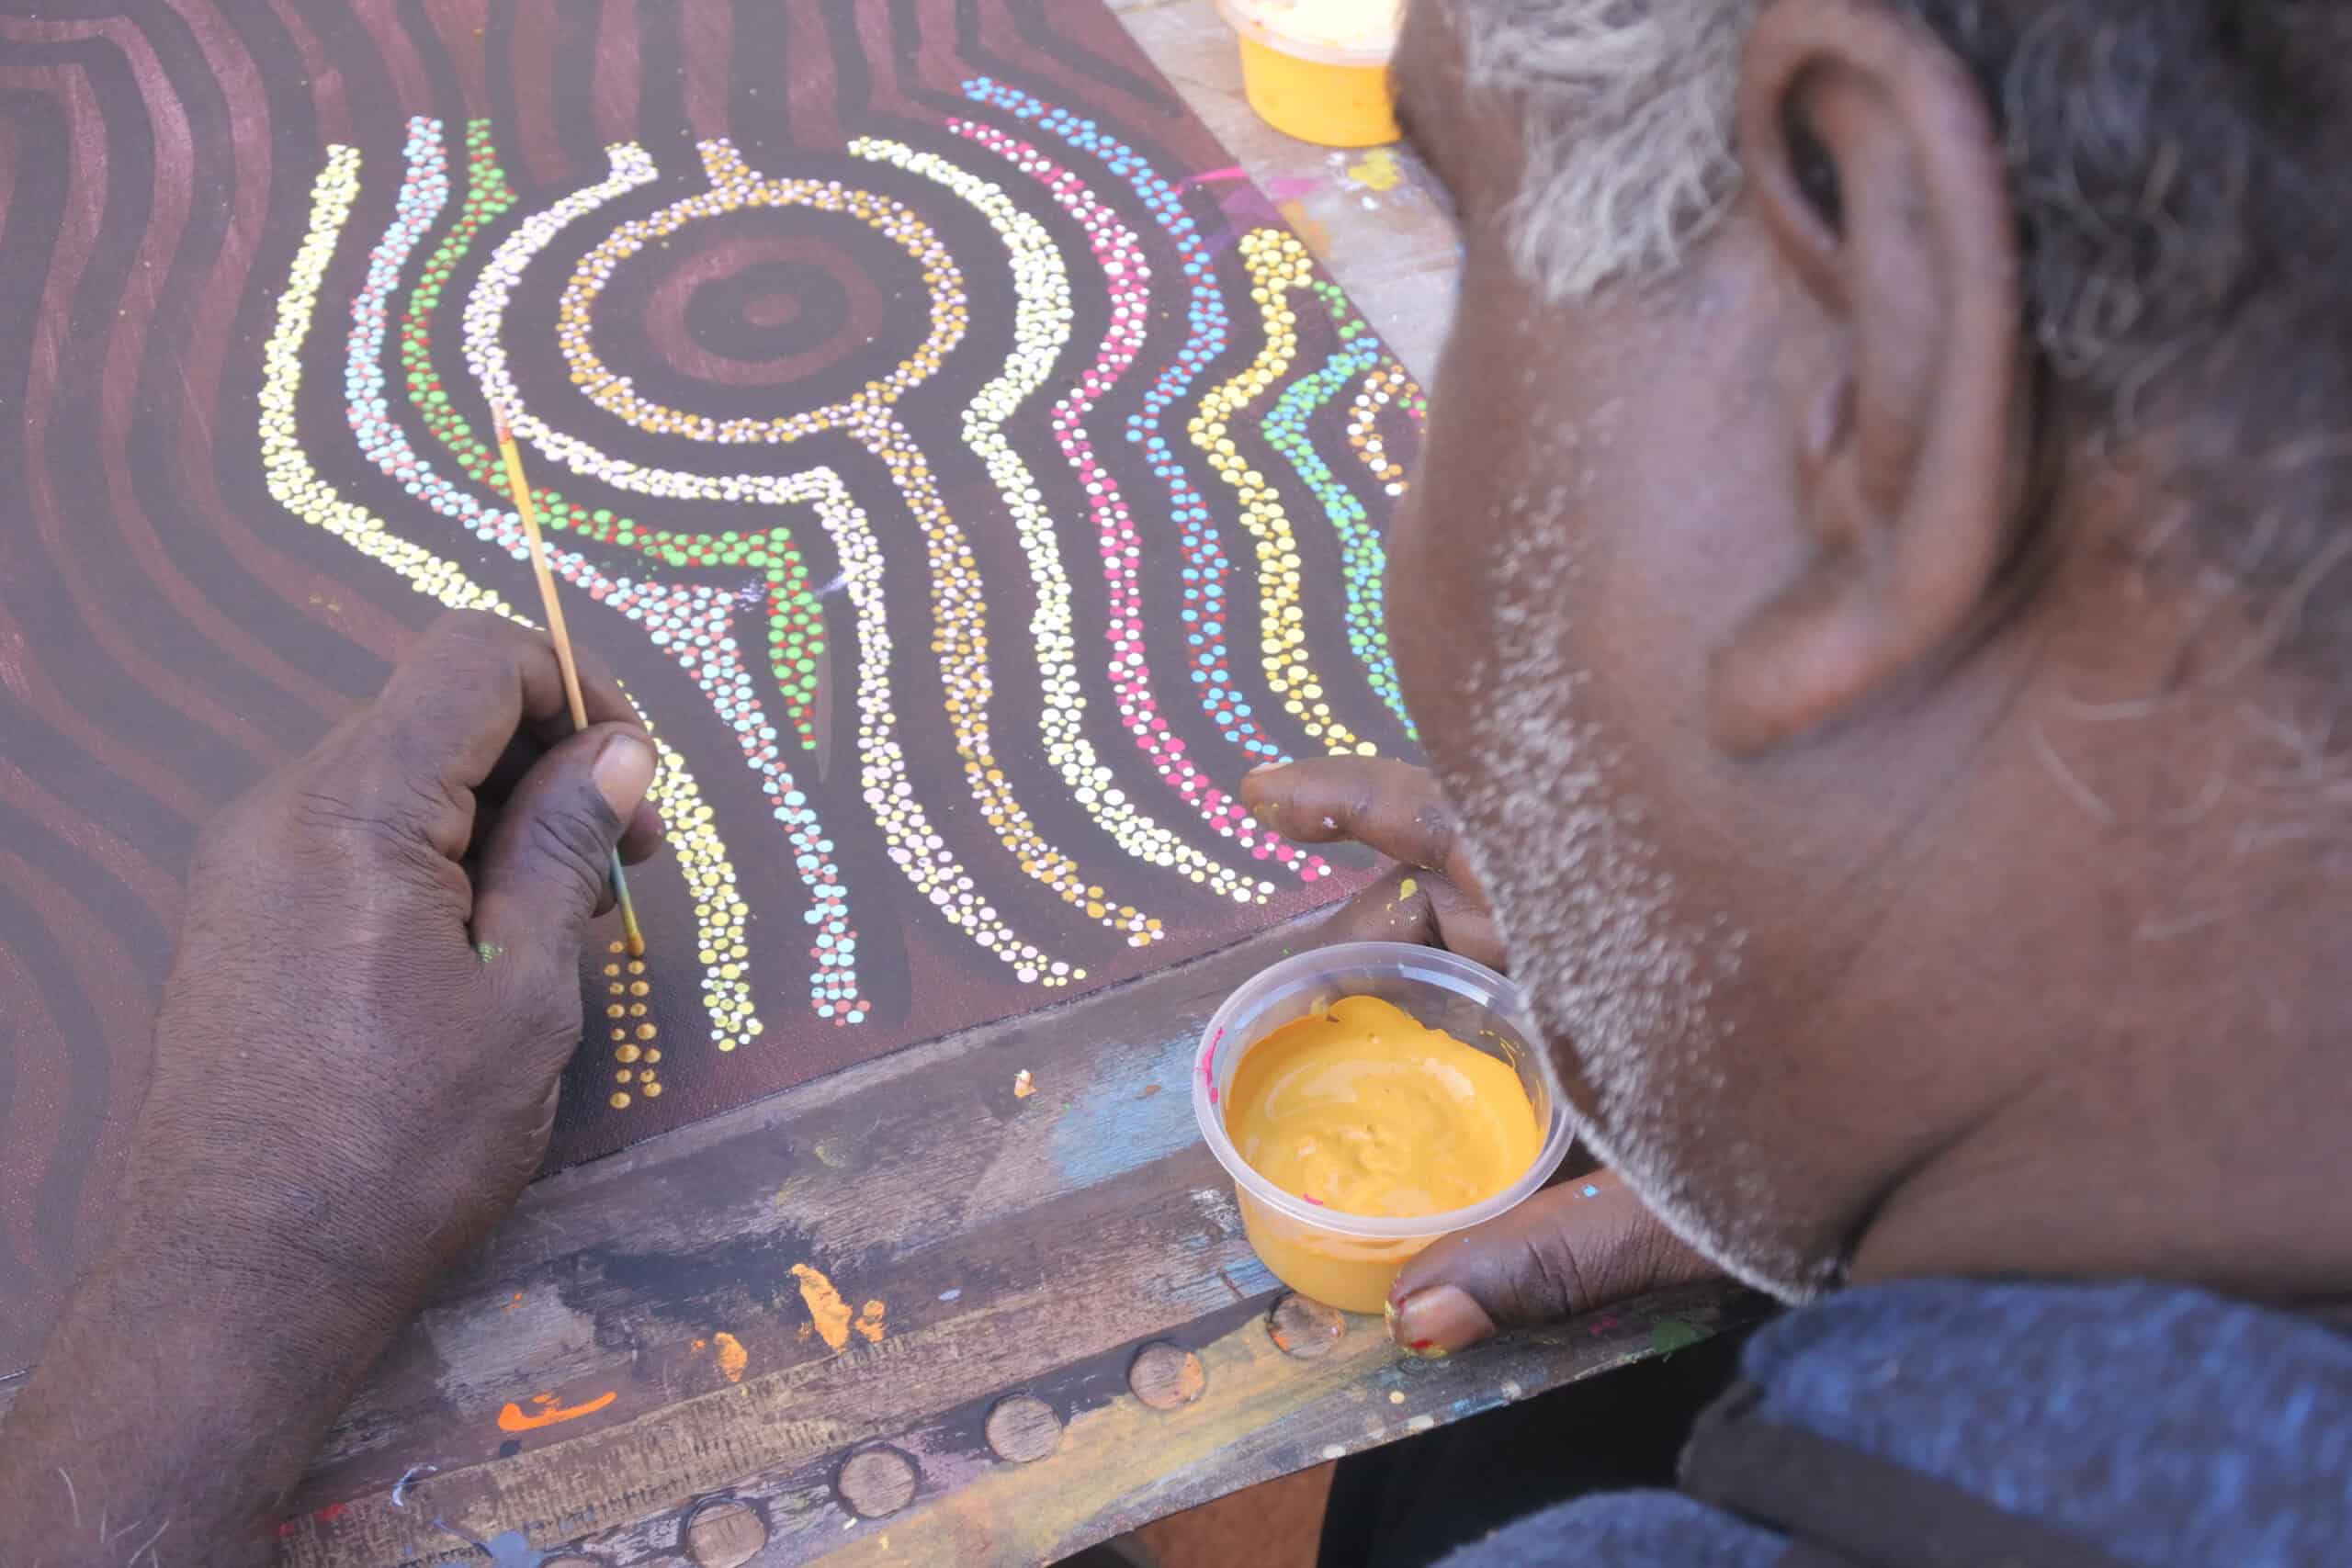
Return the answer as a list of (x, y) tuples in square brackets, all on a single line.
[(796, 633), (1362, 562), (912, 843), (1042, 318), (1388, 386), (1206, 567), (1278, 263), (296, 485), (1126, 276), (693, 624)]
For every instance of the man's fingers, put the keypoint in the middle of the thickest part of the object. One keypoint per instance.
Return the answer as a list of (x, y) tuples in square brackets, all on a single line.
[(1391, 806), (1412, 905), (1569, 1249), (447, 716), (544, 868), (641, 839)]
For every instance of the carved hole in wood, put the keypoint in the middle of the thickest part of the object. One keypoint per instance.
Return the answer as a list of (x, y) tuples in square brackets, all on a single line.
[(876, 1482), (1304, 1328), (722, 1532), (1022, 1428), (1167, 1377)]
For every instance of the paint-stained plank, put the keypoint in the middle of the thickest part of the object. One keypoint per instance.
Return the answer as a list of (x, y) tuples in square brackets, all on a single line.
[(972, 1243)]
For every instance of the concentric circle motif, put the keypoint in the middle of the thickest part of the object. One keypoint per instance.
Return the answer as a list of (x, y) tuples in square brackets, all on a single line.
[(958, 605), (795, 620), (735, 189)]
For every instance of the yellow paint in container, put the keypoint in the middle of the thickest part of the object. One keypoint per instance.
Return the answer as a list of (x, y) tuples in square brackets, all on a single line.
[(1319, 69), (1368, 1099)]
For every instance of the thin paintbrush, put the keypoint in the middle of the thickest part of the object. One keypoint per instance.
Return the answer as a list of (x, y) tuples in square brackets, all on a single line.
[(556, 629)]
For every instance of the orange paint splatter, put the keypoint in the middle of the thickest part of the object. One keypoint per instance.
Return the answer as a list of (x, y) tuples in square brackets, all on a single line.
[(1022, 1087), (732, 1357), (869, 1322), (699, 1344), (826, 1308), (513, 1419), (516, 1303)]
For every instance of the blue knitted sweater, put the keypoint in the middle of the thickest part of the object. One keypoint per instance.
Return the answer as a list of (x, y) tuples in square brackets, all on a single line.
[(1940, 1421)]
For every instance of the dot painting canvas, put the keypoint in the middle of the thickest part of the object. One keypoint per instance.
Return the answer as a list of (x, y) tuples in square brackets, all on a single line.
[(965, 469)]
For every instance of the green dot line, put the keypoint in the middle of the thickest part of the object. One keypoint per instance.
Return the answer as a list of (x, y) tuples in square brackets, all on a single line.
[(1363, 559), (795, 618)]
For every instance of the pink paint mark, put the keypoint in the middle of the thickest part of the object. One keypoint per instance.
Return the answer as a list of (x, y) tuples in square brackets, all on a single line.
[(1290, 188), (1207, 177)]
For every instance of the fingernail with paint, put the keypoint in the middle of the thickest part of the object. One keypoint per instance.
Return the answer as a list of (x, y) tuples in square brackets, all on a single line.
[(624, 772), (1266, 768), (1438, 1320)]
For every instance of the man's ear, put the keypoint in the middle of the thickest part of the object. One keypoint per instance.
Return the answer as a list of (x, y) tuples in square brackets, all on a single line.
[(1873, 164)]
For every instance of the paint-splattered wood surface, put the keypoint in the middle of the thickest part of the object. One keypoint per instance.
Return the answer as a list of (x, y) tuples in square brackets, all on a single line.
[(1071, 1248)]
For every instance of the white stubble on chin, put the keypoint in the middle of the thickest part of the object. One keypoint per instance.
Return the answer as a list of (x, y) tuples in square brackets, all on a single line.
[(1618, 969)]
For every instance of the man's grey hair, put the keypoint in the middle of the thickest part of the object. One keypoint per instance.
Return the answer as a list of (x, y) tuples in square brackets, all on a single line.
[(1626, 109), (2181, 175)]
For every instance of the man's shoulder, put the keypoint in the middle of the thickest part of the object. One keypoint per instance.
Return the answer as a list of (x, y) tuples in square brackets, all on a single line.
[(2132, 1422), (1626, 1530)]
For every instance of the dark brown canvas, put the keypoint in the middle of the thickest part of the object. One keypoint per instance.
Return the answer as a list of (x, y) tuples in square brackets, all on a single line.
[(915, 447)]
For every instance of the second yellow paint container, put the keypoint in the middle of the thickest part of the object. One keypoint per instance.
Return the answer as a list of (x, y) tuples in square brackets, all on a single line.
[(1319, 69)]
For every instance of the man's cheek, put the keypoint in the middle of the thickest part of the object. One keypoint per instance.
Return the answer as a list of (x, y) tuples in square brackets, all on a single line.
[(1423, 653)]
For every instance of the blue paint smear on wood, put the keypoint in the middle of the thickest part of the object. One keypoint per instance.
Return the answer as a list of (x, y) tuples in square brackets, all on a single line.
[(1118, 1127)]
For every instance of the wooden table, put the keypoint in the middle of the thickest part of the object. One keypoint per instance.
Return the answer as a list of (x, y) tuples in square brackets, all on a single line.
[(1067, 1335)]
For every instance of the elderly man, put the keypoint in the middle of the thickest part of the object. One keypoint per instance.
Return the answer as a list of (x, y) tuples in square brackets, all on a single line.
[(1872, 601), (1873, 607)]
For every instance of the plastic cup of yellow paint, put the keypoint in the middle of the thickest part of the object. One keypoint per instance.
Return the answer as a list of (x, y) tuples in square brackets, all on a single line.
[(1350, 1260), (1319, 69)]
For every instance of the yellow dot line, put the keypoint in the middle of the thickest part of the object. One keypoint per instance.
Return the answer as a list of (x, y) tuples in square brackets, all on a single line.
[(1278, 263)]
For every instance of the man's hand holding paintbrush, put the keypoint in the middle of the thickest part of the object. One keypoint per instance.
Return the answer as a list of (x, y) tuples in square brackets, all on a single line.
[(356, 1073)]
